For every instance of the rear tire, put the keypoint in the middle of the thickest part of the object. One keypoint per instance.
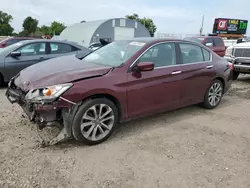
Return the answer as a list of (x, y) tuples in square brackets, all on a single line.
[(235, 75), (213, 95), (95, 121)]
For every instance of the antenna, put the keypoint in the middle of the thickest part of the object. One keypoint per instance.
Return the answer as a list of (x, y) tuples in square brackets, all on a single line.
[(202, 23)]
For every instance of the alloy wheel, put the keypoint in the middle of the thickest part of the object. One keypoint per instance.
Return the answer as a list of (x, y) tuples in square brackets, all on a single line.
[(215, 94), (97, 122)]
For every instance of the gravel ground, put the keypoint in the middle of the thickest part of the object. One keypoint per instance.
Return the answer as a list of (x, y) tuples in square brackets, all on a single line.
[(191, 147)]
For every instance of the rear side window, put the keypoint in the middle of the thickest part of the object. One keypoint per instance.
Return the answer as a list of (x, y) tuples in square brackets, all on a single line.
[(191, 53), (209, 42), (11, 41), (206, 54), (218, 42), (60, 48)]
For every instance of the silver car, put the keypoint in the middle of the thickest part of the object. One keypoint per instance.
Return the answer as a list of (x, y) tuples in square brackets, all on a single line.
[(20, 55)]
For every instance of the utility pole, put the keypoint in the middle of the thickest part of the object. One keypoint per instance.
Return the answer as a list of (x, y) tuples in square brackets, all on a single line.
[(202, 22)]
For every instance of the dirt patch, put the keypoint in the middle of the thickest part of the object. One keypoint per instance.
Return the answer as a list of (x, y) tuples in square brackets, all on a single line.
[(191, 147)]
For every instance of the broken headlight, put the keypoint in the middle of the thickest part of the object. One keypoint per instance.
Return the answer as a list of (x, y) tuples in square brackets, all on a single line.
[(48, 93)]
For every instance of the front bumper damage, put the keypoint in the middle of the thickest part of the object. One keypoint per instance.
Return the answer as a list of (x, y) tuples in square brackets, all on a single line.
[(50, 114)]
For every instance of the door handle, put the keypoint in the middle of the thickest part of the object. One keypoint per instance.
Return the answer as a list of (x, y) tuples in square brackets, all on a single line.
[(209, 66), (176, 72)]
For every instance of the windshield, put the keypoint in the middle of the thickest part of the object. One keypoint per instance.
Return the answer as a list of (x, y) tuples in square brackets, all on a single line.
[(195, 39), (115, 53)]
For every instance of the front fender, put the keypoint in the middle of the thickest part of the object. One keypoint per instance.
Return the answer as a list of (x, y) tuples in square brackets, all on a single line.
[(77, 94)]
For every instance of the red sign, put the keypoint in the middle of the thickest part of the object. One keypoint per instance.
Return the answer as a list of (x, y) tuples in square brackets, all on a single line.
[(222, 25)]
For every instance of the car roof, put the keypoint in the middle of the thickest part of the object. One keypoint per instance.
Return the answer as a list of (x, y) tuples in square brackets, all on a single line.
[(20, 38), (203, 37), (50, 40), (153, 39)]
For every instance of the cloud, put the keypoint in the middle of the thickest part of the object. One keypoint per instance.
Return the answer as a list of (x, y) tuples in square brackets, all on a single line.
[(175, 17)]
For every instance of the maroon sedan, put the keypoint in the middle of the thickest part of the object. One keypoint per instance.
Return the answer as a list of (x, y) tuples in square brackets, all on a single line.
[(124, 80)]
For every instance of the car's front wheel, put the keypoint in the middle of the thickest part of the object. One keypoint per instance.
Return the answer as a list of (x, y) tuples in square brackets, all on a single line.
[(213, 95), (95, 121)]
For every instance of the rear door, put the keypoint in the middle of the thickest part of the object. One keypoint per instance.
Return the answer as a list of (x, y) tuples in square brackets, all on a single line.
[(57, 49), (219, 48), (197, 71), (30, 54), (159, 89)]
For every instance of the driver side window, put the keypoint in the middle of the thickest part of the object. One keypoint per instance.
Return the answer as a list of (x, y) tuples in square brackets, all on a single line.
[(33, 49), (161, 55)]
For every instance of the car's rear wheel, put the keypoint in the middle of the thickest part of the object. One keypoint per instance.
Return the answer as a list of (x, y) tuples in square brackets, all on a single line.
[(213, 95), (95, 121)]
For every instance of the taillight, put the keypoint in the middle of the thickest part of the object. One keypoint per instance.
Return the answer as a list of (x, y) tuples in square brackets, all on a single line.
[(3, 45), (231, 66)]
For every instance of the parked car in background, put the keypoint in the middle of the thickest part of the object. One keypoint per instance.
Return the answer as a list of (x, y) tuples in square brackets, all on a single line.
[(239, 56), (12, 40), (96, 45), (230, 42), (121, 81), (244, 39), (215, 43), (20, 55)]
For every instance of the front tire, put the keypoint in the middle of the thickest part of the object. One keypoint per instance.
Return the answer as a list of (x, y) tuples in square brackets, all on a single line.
[(95, 121), (213, 95)]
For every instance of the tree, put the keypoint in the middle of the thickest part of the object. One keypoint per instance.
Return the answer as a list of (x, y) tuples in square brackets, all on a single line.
[(147, 22), (56, 28), (45, 30), (5, 27), (23, 33), (37, 34), (30, 25)]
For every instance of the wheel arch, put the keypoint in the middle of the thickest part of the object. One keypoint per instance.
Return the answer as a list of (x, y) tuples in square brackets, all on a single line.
[(109, 97), (222, 80)]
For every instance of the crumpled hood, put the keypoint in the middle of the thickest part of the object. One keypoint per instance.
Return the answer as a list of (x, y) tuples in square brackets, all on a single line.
[(58, 71)]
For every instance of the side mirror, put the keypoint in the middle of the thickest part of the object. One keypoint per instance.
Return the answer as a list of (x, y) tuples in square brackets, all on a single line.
[(209, 44), (145, 66), (15, 54)]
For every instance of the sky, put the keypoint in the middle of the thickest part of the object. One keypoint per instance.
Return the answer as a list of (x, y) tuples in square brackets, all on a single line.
[(170, 16)]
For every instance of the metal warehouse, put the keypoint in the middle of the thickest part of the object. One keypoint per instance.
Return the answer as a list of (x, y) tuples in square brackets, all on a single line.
[(85, 33)]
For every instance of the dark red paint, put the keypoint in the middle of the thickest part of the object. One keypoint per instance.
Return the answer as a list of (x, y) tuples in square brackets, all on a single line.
[(137, 91)]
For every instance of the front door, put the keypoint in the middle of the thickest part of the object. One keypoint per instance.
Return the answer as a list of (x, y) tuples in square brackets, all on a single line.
[(30, 55), (156, 90), (198, 72)]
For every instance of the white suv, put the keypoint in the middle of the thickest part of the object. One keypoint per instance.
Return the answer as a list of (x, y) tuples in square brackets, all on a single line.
[(239, 56)]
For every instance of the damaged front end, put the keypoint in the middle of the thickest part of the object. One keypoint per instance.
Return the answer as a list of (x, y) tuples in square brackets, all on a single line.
[(46, 108)]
